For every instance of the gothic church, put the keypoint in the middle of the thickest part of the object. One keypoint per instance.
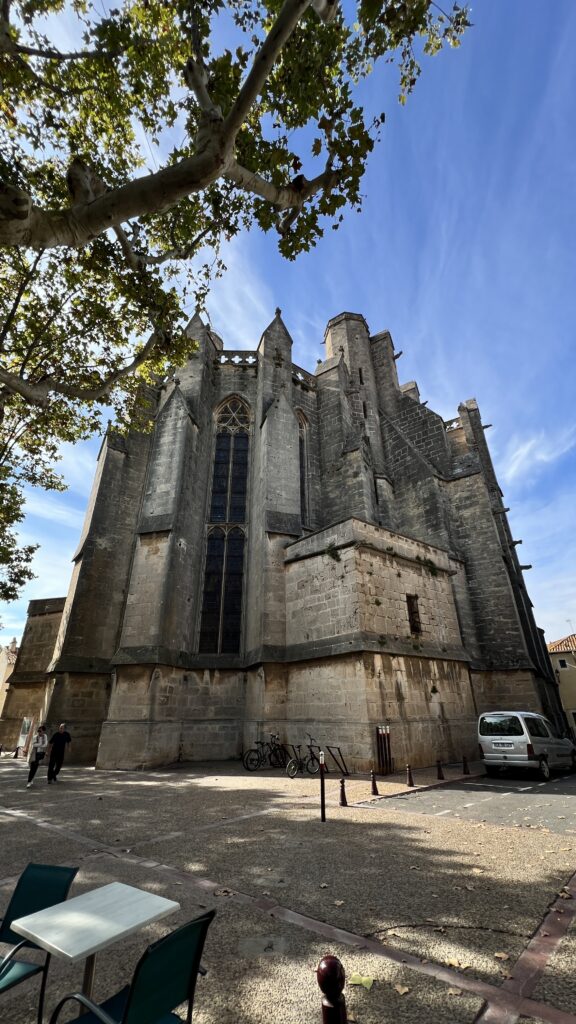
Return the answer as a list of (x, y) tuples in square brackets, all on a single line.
[(287, 552)]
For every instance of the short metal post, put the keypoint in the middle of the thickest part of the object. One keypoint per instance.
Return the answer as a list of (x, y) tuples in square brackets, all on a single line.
[(409, 779), (439, 772), (322, 789), (343, 800), (331, 979), (374, 787), (465, 768)]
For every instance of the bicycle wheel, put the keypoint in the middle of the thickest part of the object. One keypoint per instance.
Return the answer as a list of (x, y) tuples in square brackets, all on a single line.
[(251, 760), (292, 768), (312, 765), (278, 757)]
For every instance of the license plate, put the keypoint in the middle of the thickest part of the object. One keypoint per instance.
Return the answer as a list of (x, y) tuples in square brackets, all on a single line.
[(507, 746)]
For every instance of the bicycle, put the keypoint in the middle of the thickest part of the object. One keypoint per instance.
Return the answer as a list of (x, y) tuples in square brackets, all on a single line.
[(308, 762), (265, 754)]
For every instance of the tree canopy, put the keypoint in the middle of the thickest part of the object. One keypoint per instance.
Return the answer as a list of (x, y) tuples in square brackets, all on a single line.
[(133, 141)]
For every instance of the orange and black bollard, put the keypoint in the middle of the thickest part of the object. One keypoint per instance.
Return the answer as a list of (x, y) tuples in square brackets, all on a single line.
[(331, 979), (465, 768), (409, 779), (374, 788), (439, 772), (343, 800)]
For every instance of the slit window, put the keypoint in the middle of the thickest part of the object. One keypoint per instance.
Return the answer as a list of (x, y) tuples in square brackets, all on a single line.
[(413, 613)]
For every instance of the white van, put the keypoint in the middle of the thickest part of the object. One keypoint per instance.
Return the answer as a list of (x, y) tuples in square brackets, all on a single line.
[(522, 739)]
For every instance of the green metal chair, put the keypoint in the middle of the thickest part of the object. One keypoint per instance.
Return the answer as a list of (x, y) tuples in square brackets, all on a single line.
[(39, 886), (165, 976)]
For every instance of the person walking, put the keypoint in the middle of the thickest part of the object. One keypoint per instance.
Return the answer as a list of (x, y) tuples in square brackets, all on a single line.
[(37, 753), (57, 748)]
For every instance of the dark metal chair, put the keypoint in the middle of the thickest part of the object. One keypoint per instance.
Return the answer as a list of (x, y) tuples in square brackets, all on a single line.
[(165, 976), (39, 886)]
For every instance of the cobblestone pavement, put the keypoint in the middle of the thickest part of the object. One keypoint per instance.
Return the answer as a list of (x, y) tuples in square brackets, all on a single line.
[(454, 918)]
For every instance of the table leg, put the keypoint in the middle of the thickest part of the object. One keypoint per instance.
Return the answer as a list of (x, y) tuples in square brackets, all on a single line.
[(88, 982)]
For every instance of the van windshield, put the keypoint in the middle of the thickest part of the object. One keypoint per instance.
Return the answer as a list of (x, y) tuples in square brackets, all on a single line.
[(500, 725)]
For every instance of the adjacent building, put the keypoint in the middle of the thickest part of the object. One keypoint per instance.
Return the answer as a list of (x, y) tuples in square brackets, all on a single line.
[(563, 658)]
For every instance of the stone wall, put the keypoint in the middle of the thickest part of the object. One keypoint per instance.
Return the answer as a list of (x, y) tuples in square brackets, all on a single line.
[(428, 704), (160, 715), (28, 693), (506, 691)]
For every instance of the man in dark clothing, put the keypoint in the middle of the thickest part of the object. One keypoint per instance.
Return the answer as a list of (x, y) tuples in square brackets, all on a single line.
[(56, 748)]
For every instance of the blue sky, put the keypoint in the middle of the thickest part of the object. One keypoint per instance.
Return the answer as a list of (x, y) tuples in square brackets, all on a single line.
[(465, 250)]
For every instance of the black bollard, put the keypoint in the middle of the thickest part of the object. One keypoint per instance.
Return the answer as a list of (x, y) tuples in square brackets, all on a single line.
[(439, 772), (331, 978), (409, 779), (343, 800), (465, 768), (374, 789)]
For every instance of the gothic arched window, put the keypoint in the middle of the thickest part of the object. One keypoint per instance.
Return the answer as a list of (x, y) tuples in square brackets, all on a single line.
[(303, 448), (221, 622)]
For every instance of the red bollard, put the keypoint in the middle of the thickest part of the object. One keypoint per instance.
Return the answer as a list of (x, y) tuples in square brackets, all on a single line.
[(374, 789), (409, 779), (343, 800), (465, 768), (439, 772), (331, 978)]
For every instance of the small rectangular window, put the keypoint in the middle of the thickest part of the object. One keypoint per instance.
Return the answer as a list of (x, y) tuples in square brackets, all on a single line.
[(360, 377), (413, 613), (364, 410), (562, 663)]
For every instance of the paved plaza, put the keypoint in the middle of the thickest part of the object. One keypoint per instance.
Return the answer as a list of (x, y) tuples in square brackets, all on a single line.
[(455, 901)]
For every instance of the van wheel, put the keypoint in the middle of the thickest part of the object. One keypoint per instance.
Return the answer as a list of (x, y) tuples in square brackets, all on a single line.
[(491, 770), (544, 769)]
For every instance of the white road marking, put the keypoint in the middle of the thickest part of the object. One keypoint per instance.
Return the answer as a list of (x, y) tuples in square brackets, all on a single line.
[(469, 805), (440, 813), (525, 789)]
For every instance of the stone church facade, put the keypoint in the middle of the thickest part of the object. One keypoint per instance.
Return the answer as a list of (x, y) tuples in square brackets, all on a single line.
[(287, 552)]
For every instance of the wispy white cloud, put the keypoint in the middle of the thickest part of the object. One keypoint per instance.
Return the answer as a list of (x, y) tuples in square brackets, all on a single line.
[(240, 305), (56, 510), (524, 457)]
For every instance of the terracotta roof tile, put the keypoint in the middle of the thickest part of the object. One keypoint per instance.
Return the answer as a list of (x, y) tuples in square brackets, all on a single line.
[(568, 643)]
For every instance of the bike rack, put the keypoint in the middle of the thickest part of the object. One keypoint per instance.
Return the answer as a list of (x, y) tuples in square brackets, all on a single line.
[(338, 758)]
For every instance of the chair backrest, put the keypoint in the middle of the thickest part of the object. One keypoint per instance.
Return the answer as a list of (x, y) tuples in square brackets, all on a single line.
[(166, 974), (39, 886)]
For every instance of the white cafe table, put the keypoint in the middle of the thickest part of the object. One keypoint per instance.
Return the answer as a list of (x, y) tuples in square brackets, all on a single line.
[(80, 928)]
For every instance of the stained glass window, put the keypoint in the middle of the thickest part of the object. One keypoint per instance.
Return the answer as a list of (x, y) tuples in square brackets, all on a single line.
[(221, 622), (303, 446)]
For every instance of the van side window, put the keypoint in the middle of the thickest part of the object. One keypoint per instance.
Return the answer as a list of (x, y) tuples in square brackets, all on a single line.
[(537, 728)]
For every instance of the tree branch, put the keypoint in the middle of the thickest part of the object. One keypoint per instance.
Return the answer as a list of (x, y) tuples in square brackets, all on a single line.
[(38, 393), (278, 36), (31, 51), (22, 223), (286, 197), (19, 293)]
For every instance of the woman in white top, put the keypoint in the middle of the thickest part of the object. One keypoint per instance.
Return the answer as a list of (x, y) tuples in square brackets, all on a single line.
[(37, 752)]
